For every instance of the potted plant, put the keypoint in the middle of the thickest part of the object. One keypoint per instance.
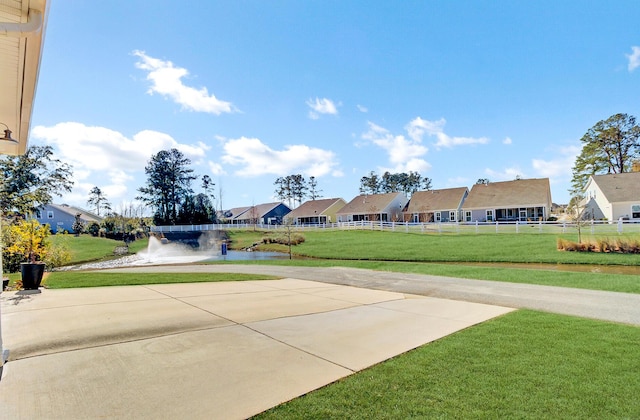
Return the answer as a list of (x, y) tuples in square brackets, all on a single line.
[(28, 239)]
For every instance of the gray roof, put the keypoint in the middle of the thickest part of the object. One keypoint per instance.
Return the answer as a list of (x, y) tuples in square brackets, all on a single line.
[(519, 193), (619, 187), (368, 203), (314, 207), (258, 211), (85, 215), (435, 200)]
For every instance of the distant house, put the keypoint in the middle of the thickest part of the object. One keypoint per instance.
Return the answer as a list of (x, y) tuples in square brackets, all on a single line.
[(436, 205), (316, 211), (374, 207), (613, 196), (61, 217), (268, 214), (228, 216), (521, 200)]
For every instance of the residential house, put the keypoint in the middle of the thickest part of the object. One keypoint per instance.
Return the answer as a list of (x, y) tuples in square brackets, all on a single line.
[(374, 207), (316, 211), (229, 216), (61, 217), (268, 214), (521, 200), (613, 196), (436, 205)]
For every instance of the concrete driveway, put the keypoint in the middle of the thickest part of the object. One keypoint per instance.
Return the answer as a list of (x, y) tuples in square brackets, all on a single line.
[(204, 350)]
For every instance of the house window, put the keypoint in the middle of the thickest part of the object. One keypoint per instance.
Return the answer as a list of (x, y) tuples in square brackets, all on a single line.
[(438, 216), (635, 211), (416, 218), (452, 216), (38, 214), (49, 214), (489, 215), (467, 216)]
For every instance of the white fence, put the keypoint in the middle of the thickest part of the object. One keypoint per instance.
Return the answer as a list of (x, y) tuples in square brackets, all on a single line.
[(593, 227)]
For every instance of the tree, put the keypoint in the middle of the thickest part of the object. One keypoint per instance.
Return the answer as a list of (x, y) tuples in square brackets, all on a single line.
[(283, 189), (407, 183), (482, 181), (30, 181), (314, 192), (370, 184), (78, 224), (298, 188), (292, 188), (610, 146), (426, 184), (98, 200), (208, 187), (168, 183)]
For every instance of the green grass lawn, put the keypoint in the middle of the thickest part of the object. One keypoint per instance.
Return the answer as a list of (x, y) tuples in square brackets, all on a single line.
[(71, 279), (87, 248), (526, 364), (396, 246)]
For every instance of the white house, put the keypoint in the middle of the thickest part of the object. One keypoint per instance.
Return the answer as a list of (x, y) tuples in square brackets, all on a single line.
[(613, 196)]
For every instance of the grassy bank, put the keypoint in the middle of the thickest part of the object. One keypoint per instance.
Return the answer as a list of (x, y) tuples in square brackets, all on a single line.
[(523, 365), (87, 248), (399, 246)]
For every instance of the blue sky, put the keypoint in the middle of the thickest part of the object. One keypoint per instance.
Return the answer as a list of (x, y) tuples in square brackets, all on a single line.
[(254, 90)]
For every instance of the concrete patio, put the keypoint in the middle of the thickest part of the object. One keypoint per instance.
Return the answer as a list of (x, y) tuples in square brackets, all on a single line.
[(204, 350)]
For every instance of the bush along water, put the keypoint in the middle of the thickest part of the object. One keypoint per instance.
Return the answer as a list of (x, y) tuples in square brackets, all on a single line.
[(605, 245)]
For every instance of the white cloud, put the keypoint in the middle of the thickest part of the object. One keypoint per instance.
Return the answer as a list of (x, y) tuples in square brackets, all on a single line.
[(166, 80), (362, 109), (216, 169), (99, 151), (321, 106), (257, 158), (404, 153), (418, 127), (634, 58), (507, 174), (507, 140), (560, 165)]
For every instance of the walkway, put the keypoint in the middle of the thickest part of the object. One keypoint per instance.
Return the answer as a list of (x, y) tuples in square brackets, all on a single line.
[(224, 350)]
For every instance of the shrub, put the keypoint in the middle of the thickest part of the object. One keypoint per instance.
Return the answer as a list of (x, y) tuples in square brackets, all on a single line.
[(296, 239)]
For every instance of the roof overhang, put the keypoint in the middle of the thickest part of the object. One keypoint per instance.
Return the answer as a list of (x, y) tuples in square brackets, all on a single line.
[(22, 29)]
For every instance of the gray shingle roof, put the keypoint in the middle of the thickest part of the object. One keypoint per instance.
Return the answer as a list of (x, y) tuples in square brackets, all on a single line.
[(518, 193), (435, 200), (314, 207), (619, 187), (368, 203)]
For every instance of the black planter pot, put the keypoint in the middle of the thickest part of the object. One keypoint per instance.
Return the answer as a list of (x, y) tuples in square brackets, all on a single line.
[(31, 275)]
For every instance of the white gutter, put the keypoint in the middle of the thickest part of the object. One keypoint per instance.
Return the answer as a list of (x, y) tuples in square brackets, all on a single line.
[(22, 30)]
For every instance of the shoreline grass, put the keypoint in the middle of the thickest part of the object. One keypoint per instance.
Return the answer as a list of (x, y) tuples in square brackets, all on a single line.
[(525, 364)]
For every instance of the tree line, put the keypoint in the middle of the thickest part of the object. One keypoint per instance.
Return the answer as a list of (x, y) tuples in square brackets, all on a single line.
[(407, 183)]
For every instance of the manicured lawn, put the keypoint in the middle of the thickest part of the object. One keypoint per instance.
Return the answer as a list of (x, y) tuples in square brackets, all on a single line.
[(70, 279), (523, 365), (395, 246), (86, 248)]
